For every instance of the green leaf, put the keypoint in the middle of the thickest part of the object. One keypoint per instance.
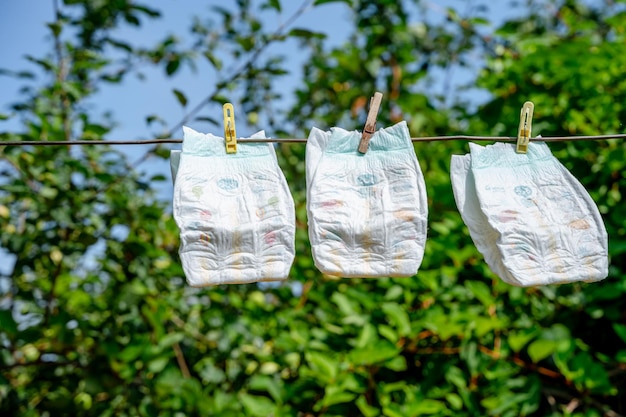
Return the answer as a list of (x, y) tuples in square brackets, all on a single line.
[(318, 2), (388, 333), (120, 44), (172, 66), (393, 410), (425, 407), (153, 118), (95, 129), (158, 364), (146, 10), (256, 405), (397, 364), (481, 291), (170, 339), (225, 401), (541, 349), (519, 339), (55, 28), (367, 336), (591, 374), (620, 330), (48, 192), (621, 356), (484, 325), (557, 332), (456, 377), (394, 292), (334, 395), (479, 21), (377, 353), (7, 323), (213, 59), (267, 384), (83, 400), (469, 352), (394, 386), (132, 19), (346, 306), (274, 4), (19, 74), (366, 409), (325, 366), (180, 97), (132, 352), (26, 74), (45, 64), (209, 373), (305, 33), (399, 317), (455, 401)]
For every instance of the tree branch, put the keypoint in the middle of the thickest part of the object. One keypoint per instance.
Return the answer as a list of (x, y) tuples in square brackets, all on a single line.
[(242, 68), (51, 295), (61, 73), (180, 358)]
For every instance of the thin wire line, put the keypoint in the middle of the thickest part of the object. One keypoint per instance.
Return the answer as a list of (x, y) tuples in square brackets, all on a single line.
[(303, 140)]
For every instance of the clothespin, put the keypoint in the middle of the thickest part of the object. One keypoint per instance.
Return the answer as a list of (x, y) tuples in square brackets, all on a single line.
[(370, 123), (525, 126), (230, 135)]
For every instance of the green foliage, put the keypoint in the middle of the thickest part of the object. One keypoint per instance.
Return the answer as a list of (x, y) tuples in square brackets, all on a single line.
[(95, 316)]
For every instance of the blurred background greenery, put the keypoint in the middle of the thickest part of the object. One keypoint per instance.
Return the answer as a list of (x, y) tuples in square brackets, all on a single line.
[(97, 320)]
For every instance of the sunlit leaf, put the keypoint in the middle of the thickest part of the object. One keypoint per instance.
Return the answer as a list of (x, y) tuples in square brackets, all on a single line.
[(182, 99)]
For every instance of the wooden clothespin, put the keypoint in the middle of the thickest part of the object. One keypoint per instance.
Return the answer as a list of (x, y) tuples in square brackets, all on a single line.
[(370, 123), (230, 134), (525, 127)]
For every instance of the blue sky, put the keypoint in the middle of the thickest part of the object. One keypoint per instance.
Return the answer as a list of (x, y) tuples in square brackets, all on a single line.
[(24, 23), (22, 26)]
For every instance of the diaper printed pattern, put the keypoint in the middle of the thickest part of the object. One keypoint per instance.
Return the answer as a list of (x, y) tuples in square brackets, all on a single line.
[(235, 213), (367, 213)]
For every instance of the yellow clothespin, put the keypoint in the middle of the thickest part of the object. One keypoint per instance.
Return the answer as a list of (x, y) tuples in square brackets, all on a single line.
[(370, 123), (230, 135), (525, 127)]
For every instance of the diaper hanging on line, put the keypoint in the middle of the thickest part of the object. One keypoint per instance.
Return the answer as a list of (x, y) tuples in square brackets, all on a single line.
[(367, 213), (534, 223), (234, 211)]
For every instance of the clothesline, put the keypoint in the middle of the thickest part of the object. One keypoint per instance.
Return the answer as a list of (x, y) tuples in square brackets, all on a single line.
[(303, 140)]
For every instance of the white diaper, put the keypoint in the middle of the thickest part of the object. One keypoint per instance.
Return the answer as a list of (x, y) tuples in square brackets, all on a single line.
[(367, 213), (234, 211), (532, 220)]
